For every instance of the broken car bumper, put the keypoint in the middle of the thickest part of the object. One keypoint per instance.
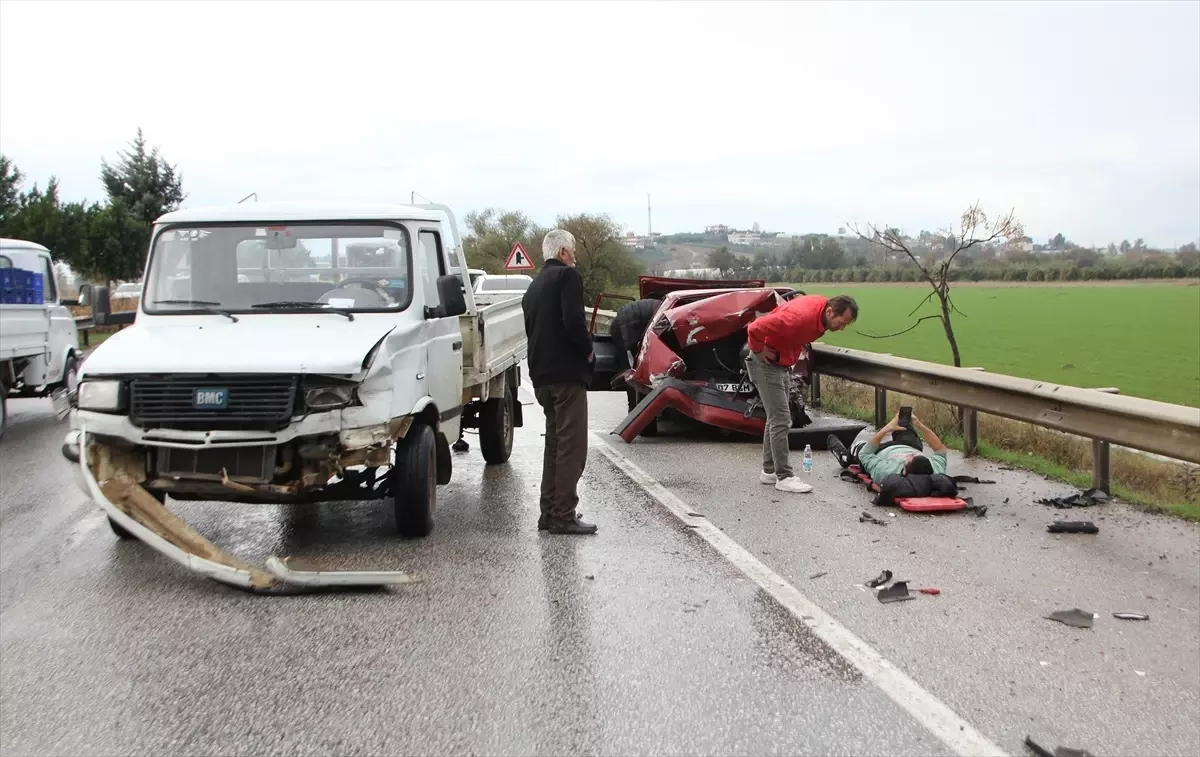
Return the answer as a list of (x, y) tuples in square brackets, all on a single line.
[(113, 484)]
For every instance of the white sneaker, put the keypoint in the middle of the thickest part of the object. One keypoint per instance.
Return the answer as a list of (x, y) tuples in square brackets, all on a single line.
[(767, 478), (794, 485)]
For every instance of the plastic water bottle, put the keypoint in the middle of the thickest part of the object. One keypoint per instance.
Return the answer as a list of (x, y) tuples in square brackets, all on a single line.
[(808, 458)]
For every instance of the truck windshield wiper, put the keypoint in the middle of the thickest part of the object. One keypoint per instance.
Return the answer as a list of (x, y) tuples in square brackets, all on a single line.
[(298, 304), (203, 305)]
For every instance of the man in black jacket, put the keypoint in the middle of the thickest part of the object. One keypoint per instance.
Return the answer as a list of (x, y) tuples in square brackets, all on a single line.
[(629, 326), (560, 368)]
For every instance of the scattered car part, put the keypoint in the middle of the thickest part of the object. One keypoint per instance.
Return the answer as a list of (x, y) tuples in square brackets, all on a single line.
[(1131, 616), (897, 592), (1062, 751), (883, 578), (1075, 618), (930, 590), (1073, 527), (1086, 498), (866, 517), (818, 575)]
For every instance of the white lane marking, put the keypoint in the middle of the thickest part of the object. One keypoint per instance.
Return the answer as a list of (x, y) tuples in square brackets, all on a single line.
[(953, 731)]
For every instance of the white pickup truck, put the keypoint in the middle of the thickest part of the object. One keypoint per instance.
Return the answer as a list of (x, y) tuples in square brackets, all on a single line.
[(39, 343), (294, 353)]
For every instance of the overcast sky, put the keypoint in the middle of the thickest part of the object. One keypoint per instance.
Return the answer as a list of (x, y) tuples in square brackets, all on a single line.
[(1083, 116)]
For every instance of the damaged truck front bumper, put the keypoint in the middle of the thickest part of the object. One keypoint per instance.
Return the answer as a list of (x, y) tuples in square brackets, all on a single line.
[(113, 475)]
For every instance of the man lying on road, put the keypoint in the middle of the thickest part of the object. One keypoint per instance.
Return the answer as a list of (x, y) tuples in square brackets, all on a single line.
[(903, 454)]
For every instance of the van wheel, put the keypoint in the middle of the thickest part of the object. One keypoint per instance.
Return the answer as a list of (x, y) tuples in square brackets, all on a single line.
[(70, 379), (496, 427), (414, 482)]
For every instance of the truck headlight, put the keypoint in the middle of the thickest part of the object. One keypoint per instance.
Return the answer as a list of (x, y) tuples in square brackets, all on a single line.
[(102, 396), (328, 398)]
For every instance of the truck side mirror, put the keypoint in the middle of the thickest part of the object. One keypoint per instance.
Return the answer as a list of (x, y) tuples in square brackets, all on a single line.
[(85, 295), (450, 292)]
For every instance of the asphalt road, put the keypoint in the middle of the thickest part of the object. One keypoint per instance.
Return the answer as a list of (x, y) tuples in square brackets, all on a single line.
[(644, 639)]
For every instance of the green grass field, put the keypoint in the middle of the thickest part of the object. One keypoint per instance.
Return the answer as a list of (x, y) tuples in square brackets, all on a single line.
[(1142, 338)]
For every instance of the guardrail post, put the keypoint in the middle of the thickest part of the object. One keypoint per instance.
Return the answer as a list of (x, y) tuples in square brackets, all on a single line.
[(881, 411), (1101, 457), (815, 386), (970, 426)]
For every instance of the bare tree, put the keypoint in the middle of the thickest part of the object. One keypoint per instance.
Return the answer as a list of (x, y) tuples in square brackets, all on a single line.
[(974, 228)]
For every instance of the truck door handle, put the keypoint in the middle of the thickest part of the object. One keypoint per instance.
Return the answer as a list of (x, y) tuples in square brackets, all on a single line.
[(457, 345)]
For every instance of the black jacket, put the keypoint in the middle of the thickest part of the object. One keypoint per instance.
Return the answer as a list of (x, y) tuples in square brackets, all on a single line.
[(896, 486), (559, 343)]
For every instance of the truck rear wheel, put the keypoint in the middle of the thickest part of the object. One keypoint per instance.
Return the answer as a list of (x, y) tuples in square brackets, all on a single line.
[(496, 427), (414, 482)]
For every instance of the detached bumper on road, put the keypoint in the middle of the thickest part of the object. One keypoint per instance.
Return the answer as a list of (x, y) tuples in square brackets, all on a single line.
[(109, 477)]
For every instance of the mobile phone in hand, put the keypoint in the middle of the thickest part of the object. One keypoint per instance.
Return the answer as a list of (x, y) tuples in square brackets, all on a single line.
[(905, 419)]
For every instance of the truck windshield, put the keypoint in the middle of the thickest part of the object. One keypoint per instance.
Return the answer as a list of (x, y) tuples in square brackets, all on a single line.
[(249, 267)]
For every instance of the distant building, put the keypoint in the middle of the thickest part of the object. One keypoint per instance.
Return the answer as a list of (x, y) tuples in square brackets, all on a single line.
[(746, 238), (717, 230), (633, 241)]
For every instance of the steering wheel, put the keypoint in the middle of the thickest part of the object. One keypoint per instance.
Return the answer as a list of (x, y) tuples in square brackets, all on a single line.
[(372, 284)]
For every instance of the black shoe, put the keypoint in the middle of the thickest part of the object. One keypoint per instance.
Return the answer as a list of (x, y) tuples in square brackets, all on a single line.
[(834, 445), (573, 526), (544, 522)]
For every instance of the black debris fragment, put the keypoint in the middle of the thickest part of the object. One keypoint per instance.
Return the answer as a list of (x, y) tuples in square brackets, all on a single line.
[(866, 517), (1085, 498), (818, 575), (1062, 751), (1073, 527), (1075, 618), (897, 592), (883, 578), (1131, 616)]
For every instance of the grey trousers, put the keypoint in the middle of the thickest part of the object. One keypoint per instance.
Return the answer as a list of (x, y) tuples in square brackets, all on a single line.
[(771, 381)]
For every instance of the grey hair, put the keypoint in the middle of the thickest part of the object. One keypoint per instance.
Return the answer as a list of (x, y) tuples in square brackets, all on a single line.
[(555, 241)]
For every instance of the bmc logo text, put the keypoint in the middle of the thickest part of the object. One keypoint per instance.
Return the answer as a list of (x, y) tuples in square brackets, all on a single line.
[(214, 399)]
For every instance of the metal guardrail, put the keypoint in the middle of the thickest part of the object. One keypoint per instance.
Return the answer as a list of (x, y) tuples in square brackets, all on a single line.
[(1158, 427), (1102, 415)]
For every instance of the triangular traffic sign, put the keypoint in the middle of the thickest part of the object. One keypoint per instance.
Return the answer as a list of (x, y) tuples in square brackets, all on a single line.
[(518, 259)]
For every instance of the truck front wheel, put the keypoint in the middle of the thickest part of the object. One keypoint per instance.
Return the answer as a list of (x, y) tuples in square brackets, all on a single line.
[(496, 427), (414, 482)]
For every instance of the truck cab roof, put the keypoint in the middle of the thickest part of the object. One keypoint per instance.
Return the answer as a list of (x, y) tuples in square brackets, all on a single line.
[(300, 211)]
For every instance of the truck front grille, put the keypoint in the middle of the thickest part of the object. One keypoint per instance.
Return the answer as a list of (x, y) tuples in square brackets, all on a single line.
[(246, 464), (251, 403)]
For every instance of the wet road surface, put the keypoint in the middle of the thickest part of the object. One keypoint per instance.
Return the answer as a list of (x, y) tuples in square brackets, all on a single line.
[(641, 640)]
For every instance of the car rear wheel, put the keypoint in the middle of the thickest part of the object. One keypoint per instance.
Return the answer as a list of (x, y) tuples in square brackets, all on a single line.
[(414, 482)]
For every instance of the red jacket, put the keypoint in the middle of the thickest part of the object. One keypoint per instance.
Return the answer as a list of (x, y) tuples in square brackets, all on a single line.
[(789, 327)]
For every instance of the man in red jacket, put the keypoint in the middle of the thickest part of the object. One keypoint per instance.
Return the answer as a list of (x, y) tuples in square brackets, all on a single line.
[(776, 341)]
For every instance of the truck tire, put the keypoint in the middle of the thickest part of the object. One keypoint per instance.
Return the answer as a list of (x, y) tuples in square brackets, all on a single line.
[(496, 427), (414, 482), (70, 377)]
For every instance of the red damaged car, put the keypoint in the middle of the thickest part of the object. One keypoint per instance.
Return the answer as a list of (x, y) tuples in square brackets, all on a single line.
[(691, 361)]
